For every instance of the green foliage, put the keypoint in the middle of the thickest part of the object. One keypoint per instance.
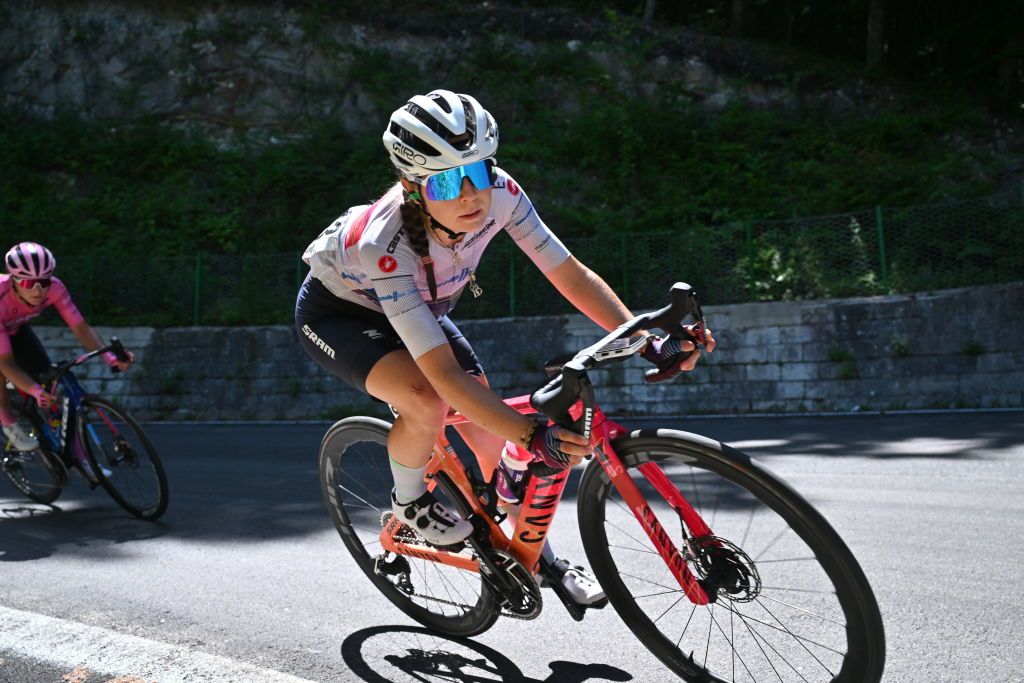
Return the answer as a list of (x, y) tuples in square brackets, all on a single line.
[(651, 182), (974, 348), (143, 187), (840, 354), (900, 346)]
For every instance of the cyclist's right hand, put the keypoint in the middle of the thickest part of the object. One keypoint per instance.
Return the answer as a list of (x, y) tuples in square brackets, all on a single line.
[(42, 398), (558, 447)]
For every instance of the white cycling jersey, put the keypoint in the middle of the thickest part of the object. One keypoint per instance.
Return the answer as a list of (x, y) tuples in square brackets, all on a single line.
[(365, 258)]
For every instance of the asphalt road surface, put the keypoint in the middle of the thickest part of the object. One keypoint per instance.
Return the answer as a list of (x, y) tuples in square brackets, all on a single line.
[(246, 579)]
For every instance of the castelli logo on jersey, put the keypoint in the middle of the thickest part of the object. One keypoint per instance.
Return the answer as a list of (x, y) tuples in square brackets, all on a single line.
[(513, 189), (387, 264)]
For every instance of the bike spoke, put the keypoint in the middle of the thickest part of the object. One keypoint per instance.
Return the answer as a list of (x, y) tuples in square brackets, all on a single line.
[(800, 640), (625, 533), (653, 583), (633, 550), (771, 543), (693, 610), (732, 647), (754, 636), (782, 629), (805, 611), (670, 608)]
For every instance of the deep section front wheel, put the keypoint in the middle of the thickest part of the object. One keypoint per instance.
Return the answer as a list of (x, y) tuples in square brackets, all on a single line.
[(356, 481), (789, 601), (122, 458), (38, 474)]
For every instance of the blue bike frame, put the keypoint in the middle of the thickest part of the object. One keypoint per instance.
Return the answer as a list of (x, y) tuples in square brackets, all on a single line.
[(56, 436)]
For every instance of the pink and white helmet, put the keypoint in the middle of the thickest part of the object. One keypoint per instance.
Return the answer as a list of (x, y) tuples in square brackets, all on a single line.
[(30, 260)]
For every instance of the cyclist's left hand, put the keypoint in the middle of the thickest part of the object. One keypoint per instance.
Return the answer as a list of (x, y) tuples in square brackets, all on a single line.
[(675, 353), (111, 360)]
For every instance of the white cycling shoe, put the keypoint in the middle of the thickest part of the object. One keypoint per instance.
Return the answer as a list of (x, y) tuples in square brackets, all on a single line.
[(579, 583), (20, 438), (90, 474), (431, 520)]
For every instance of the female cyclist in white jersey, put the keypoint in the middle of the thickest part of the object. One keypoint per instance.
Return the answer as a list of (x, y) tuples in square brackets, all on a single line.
[(383, 278)]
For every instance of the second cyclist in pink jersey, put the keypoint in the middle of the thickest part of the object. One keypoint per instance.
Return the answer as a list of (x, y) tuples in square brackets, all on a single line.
[(26, 290), (384, 277)]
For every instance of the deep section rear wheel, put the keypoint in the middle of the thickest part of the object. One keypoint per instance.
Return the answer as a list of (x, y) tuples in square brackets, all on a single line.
[(123, 459), (356, 481), (790, 601), (38, 474)]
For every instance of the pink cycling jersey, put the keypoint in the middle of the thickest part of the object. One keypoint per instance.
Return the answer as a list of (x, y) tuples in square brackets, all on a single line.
[(14, 312)]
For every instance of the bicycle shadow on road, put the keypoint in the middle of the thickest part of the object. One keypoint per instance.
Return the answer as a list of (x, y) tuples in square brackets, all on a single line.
[(399, 654), (31, 531)]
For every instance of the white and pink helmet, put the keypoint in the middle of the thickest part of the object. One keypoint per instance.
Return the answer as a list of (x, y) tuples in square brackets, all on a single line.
[(30, 260)]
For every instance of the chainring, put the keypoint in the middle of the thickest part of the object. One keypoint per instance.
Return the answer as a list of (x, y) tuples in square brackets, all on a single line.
[(523, 600)]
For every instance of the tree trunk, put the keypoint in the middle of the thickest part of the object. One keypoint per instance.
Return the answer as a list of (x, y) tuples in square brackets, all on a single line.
[(876, 34), (649, 6), (736, 22)]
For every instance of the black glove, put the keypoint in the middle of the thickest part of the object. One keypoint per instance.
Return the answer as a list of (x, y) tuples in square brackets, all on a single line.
[(544, 445), (666, 353)]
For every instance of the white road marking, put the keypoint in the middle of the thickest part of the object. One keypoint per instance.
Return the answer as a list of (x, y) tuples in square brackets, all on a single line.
[(71, 644)]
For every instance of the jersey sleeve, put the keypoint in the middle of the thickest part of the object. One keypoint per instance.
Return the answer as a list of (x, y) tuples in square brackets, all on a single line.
[(524, 226), (392, 271), (60, 298), (5, 343)]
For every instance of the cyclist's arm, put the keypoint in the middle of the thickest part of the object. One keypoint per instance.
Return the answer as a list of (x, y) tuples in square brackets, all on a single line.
[(90, 340), (478, 403), (589, 293), (87, 336), (592, 296)]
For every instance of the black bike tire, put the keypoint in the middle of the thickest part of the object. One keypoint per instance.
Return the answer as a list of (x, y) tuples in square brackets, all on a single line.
[(353, 430), (865, 659), (150, 513), (46, 498)]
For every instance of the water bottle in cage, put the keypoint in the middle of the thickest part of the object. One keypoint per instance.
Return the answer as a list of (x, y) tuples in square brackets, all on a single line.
[(512, 473)]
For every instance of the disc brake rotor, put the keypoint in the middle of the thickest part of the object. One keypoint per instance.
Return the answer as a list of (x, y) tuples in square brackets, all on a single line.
[(724, 570)]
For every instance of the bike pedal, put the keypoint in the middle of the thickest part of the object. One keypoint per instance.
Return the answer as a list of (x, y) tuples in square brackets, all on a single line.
[(576, 610)]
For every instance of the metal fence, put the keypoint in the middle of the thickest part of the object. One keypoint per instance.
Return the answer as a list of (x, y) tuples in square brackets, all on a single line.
[(885, 250)]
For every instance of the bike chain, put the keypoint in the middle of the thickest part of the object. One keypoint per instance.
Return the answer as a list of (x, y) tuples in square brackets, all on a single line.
[(406, 534)]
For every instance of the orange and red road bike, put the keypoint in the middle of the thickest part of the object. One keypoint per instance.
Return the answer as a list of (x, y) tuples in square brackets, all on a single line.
[(720, 568)]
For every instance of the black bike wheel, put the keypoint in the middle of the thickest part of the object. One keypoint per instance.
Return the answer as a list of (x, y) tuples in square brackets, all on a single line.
[(356, 481), (792, 603), (123, 459), (39, 475)]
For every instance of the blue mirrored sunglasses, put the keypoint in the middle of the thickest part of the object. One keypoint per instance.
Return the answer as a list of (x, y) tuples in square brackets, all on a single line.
[(448, 184)]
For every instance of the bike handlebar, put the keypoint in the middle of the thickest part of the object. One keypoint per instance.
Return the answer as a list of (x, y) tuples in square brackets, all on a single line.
[(571, 384), (115, 346)]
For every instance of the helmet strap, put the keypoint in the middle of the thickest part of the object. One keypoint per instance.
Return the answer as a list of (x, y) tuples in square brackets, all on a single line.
[(417, 198), (452, 235)]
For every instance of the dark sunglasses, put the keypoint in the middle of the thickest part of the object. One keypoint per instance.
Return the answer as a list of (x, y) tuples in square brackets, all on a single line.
[(31, 282)]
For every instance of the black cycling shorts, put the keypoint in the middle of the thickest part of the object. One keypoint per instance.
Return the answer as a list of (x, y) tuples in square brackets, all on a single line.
[(347, 339), (29, 354)]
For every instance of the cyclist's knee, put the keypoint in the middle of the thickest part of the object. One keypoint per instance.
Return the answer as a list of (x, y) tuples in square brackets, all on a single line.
[(420, 404)]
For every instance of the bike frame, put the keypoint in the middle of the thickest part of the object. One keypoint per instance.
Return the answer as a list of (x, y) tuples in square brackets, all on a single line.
[(71, 450), (541, 499)]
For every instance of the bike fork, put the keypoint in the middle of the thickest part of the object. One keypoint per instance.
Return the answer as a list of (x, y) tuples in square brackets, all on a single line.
[(637, 503)]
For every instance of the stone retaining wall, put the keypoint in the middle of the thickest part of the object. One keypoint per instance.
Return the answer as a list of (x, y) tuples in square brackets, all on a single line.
[(952, 348)]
